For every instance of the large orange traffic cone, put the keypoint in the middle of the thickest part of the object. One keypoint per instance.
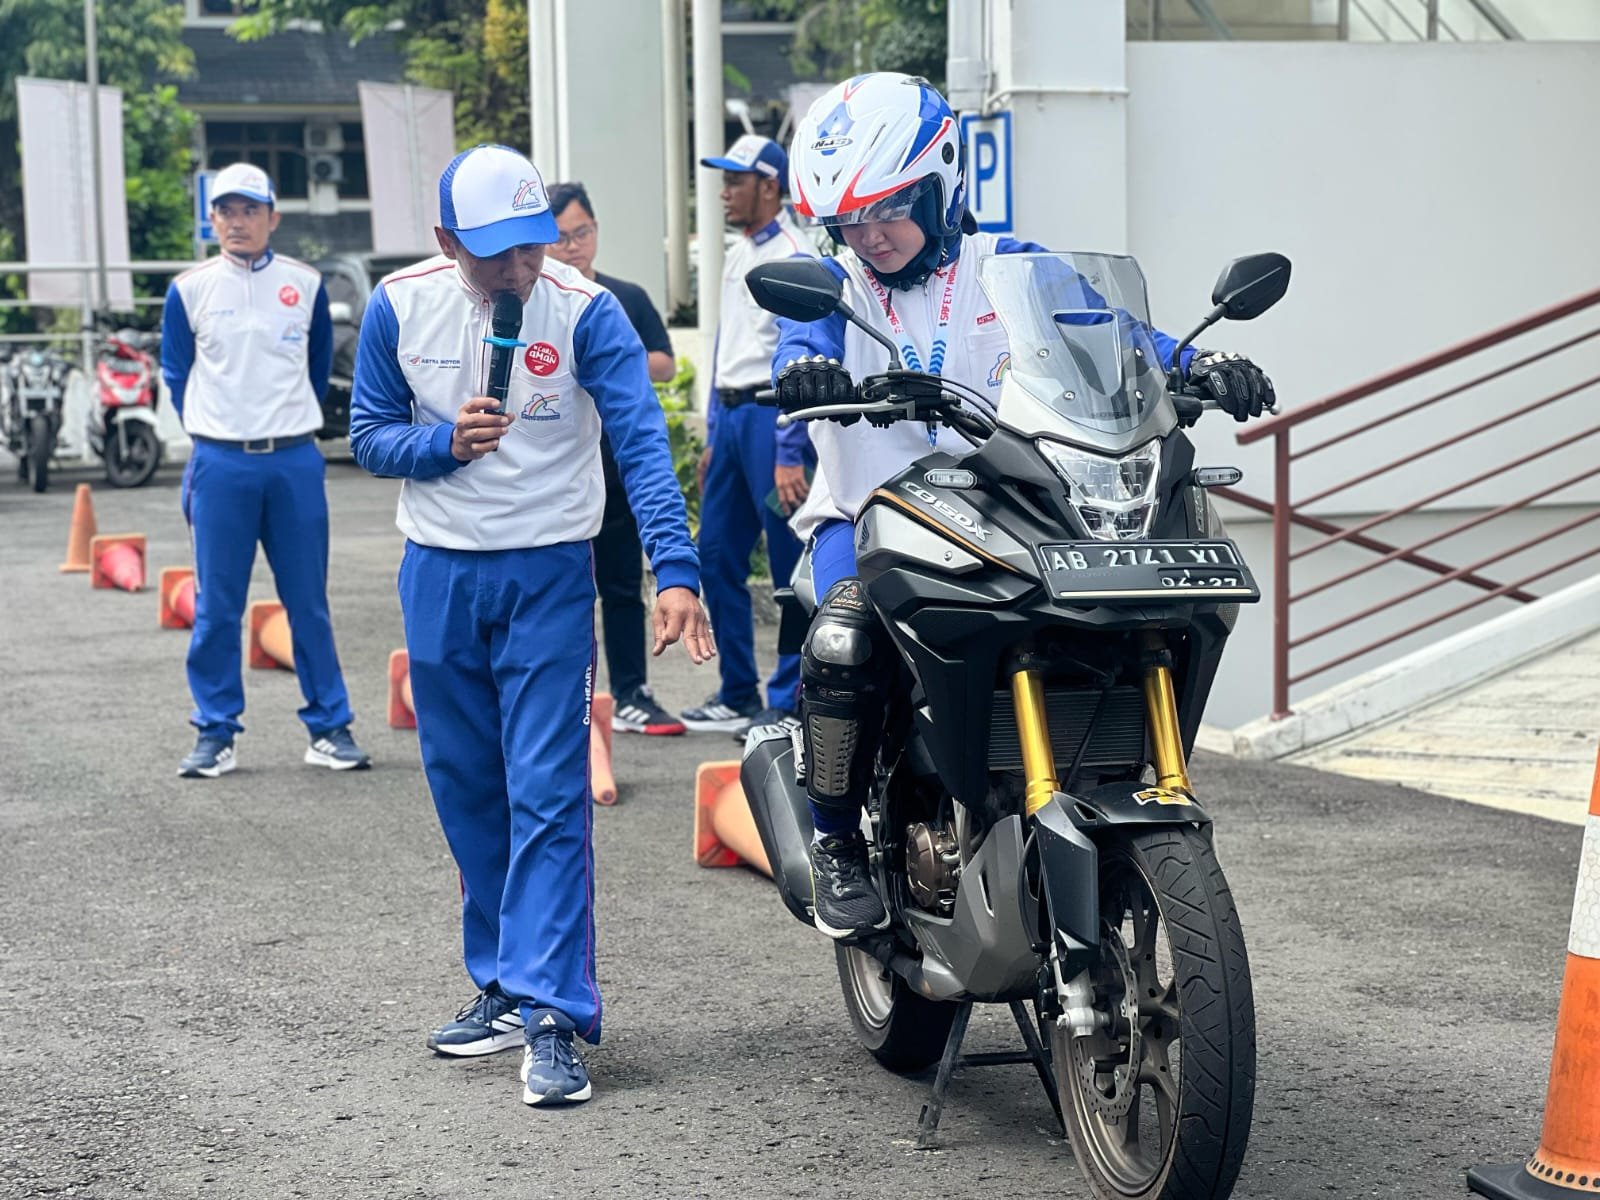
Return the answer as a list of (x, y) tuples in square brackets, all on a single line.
[(271, 643), (602, 783), (116, 560), (402, 710), (725, 833), (80, 533), (1567, 1162), (177, 598)]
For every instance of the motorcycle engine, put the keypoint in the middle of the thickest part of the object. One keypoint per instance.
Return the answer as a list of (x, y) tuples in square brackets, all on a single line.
[(933, 866)]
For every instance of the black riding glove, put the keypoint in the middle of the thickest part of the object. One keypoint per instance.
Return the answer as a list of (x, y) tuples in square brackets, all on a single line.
[(812, 383), (1239, 387)]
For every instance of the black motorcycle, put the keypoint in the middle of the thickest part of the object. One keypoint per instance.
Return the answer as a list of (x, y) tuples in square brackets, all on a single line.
[(1059, 599), (35, 386)]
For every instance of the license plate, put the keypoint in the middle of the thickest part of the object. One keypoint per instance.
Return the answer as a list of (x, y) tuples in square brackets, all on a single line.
[(1174, 571)]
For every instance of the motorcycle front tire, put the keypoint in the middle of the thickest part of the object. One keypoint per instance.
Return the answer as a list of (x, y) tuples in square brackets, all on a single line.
[(144, 455), (903, 1030), (41, 441)]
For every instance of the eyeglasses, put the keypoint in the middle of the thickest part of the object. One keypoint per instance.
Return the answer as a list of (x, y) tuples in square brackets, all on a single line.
[(572, 237)]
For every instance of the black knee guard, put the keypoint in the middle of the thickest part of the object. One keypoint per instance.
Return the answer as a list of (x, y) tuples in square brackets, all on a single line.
[(843, 668)]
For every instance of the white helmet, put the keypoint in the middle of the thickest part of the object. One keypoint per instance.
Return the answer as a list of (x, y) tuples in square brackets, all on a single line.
[(871, 147)]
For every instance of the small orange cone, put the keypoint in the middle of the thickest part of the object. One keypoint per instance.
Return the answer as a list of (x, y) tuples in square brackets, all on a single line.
[(725, 833), (116, 560), (402, 712), (80, 533), (1567, 1162), (602, 783), (271, 643), (177, 598)]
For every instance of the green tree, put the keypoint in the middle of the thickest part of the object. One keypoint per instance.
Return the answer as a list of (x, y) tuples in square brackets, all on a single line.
[(139, 47), (837, 38)]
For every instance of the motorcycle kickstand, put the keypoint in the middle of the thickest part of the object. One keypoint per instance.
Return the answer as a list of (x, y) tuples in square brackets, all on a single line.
[(953, 1060)]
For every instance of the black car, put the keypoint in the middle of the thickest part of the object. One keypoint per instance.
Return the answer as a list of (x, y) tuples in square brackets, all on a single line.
[(350, 280)]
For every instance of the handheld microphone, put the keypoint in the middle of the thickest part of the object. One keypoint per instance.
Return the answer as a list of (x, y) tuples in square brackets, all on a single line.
[(504, 326)]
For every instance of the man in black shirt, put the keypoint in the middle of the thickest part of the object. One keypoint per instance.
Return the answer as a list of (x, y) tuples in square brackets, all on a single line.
[(618, 556)]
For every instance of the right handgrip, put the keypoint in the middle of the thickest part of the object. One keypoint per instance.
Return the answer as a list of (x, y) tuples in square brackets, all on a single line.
[(767, 397)]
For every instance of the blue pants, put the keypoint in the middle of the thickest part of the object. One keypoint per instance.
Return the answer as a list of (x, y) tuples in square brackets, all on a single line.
[(833, 555), (502, 672), (233, 500), (733, 515)]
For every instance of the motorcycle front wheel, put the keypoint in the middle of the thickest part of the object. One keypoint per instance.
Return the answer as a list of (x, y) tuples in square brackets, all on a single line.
[(1158, 1097), (41, 442), (143, 456), (900, 1028)]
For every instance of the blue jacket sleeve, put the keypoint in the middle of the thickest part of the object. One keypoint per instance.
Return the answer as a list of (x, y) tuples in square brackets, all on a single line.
[(319, 356), (1164, 342), (177, 347), (797, 338), (383, 437), (611, 368)]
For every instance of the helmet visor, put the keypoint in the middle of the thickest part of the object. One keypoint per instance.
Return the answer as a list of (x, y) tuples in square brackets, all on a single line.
[(894, 207)]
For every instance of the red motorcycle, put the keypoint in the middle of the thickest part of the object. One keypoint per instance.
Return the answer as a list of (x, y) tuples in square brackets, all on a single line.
[(122, 420)]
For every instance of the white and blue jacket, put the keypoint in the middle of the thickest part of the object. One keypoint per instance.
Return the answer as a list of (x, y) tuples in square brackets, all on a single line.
[(421, 356), (246, 348)]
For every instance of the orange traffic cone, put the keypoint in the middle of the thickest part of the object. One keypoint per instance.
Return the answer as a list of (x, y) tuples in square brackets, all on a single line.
[(402, 712), (79, 534), (1567, 1162), (725, 833), (271, 643), (116, 560), (177, 598), (602, 783)]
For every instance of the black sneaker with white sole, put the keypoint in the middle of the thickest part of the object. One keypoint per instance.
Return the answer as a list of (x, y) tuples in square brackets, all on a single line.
[(638, 712), (843, 900), (211, 756), (716, 717), (782, 718), (337, 750), (489, 1022)]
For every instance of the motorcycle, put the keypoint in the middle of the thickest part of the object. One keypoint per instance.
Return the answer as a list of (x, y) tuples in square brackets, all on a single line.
[(1058, 599), (122, 427), (35, 390)]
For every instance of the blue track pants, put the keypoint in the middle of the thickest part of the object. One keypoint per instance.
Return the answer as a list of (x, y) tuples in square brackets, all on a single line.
[(733, 515), (502, 672), (233, 500)]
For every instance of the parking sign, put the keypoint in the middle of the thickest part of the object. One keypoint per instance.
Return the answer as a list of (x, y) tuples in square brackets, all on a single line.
[(988, 144), (204, 234)]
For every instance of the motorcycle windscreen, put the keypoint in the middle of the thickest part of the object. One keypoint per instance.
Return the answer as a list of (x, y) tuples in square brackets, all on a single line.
[(1080, 337)]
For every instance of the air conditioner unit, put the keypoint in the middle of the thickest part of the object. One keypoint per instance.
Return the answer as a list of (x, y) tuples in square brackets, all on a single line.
[(323, 137), (325, 168)]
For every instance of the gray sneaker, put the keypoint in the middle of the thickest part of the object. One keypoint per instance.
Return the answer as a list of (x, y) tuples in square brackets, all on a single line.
[(844, 902), (337, 750), (211, 756)]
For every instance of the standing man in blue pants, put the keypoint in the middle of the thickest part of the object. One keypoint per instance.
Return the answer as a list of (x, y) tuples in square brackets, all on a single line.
[(497, 585), (246, 346), (740, 471)]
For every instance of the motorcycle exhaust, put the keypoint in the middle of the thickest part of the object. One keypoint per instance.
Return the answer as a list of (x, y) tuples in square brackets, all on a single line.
[(782, 814)]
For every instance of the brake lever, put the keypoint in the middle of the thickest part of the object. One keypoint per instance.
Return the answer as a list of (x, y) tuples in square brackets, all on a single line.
[(880, 409)]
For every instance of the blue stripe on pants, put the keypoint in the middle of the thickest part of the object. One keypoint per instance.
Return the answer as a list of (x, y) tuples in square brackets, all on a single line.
[(232, 501), (733, 516), (502, 670)]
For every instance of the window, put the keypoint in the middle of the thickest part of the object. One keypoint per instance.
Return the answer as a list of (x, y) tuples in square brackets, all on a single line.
[(354, 160), (277, 147)]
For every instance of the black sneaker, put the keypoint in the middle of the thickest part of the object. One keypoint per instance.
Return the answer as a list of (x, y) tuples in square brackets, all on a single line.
[(490, 1021), (716, 717), (844, 902), (783, 718), (639, 713), (211, 756)]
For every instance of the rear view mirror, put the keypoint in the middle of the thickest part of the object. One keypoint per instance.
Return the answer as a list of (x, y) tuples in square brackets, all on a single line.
[(801, 289), (1249, 286)]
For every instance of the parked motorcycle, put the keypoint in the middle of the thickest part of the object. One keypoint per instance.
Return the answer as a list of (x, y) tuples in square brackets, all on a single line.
[(122, 427), (1059, 599), (35, 384)]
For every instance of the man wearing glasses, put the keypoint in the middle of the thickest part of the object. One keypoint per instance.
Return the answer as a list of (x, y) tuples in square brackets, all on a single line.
[(618, 555)]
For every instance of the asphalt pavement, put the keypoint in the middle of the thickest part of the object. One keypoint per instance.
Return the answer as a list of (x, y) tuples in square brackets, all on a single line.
[(221, 988)]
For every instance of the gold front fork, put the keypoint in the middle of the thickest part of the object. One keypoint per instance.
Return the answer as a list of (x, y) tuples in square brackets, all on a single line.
[(1161, 708), (1033, 731)]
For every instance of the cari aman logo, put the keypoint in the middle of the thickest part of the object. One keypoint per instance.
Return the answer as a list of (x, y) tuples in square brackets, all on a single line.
[(541, 408)]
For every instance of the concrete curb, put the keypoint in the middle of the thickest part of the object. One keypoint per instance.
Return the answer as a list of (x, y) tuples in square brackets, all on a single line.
[(1427, 674)]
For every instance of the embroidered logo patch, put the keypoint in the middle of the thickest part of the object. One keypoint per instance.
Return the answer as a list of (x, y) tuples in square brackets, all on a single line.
[(288, 296), (541, 408)]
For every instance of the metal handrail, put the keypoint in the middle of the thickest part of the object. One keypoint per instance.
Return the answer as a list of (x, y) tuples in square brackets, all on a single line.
[(1433, 20), (1288, 512)]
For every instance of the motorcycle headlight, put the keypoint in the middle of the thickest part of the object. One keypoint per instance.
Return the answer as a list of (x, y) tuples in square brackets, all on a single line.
[(1116, 497)]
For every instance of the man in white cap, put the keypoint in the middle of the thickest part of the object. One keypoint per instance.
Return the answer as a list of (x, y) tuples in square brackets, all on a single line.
[(747, 488), (246, 346), (497, 584)]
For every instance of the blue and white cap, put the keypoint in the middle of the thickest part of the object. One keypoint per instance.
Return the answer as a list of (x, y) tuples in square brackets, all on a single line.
[(754, 154), (492, 199), (243, 179)]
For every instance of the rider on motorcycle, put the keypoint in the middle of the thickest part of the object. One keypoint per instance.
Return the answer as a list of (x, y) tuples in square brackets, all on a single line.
[(878, 161)]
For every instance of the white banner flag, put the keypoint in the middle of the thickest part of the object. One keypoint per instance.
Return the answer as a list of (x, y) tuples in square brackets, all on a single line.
[(410, 134), (58, 189)]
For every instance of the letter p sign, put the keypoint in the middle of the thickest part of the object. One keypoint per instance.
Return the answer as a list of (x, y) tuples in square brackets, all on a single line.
[(988, 143)]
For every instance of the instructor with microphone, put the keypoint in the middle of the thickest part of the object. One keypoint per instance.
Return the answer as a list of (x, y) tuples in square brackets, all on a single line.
[(483, 377)]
